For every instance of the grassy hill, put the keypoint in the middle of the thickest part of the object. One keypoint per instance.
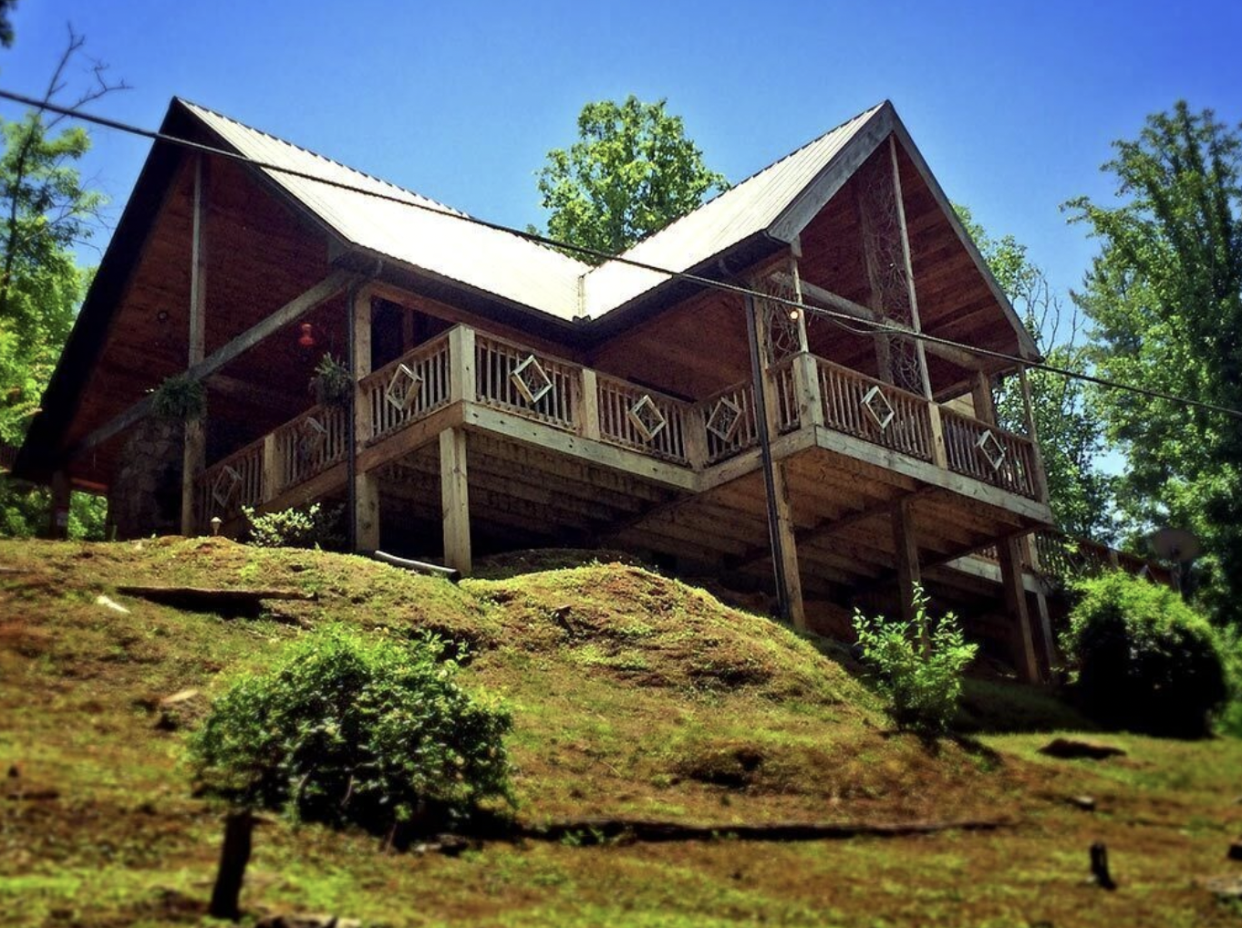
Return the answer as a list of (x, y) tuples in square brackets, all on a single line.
[(634, 696)]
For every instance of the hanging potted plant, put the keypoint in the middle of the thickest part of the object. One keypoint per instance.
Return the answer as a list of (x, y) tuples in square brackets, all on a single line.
[(179, 399), (332, 383)]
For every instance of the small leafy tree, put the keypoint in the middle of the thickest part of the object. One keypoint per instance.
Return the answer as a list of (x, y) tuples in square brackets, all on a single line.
[(631, 173), (1143, 658), (349, 729), (920, 664)]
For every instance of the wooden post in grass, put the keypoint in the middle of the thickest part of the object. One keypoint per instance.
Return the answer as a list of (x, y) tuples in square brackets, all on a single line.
[(234, 857)]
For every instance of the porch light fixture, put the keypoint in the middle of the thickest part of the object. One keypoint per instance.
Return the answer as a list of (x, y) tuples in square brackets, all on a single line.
[(992, 449), (877, 404), (531, 380), (724, 420), (646, 418), (403, 388), (307, 338)]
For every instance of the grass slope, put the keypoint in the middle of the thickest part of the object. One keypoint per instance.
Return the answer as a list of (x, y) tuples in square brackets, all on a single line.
[(633, 695)]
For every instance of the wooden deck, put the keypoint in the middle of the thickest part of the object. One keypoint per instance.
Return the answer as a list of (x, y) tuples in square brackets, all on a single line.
[(561, 453)]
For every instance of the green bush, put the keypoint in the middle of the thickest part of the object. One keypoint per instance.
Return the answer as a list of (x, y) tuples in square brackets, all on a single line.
[(314, 527), (351, 729), (1143, 658), (920, 664)]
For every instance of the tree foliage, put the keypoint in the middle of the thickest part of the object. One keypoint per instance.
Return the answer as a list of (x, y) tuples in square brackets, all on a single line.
[(45, 213), (1165, 299), (631, 173), (1071, 433)]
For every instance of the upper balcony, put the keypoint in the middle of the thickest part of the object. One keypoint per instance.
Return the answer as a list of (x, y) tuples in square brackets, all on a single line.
[(487, 384)]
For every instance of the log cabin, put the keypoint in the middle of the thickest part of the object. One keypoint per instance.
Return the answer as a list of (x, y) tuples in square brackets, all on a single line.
[(718, 398)]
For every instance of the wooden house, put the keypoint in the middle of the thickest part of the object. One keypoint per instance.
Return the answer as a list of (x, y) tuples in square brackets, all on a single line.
[(509, 396)]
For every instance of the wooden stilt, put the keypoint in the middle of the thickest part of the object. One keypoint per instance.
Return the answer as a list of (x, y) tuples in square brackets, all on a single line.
[(1023, 642), (194, 459), (455, 499), (906, 543), (58, 516), (367, 503), (789, 549)]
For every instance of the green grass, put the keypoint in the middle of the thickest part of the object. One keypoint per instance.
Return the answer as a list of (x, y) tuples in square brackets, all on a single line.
[(633, 695)]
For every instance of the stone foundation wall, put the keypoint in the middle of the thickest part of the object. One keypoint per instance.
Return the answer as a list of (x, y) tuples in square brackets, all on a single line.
[(145, 495)]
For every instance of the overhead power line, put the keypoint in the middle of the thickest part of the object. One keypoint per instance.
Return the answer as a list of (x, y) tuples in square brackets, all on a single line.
[(848, 321)]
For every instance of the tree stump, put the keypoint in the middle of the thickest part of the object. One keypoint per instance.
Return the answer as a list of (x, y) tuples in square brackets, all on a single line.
[(234, 856), (1099, 866)]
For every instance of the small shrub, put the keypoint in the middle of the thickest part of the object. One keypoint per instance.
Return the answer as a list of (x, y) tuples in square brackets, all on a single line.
[(179, 399), (1143, 658), (314, 527), (332, 385), (920, 664), (349, 729)]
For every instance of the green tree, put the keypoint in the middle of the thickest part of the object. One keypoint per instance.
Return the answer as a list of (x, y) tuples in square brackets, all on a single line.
[(631, 173), (1071, 433), (45, 213), (1165, 299)]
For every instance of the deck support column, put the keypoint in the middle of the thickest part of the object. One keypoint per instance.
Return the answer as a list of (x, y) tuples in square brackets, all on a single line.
[(363, 488), (455, 499), (1049, 649), (906, 544), (780, 510), (194, 459), (1023, 641), (58, 514)]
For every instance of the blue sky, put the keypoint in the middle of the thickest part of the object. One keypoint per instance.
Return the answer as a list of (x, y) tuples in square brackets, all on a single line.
[(1013, 104)]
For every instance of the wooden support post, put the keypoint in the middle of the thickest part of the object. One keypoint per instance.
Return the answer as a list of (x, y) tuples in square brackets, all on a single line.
[(58, 514), (407, 329), (194, 459), (455, 499), (461, 364), (981, 397), (365, 490), (875, 300), (273, 467), (1032, 432), (367, 507), (696, 437), (906, 544), (919, 351), (1023, 642), (789, 548), (940, 454), (1049, 649), (805, 369), (587, 401), (360, 319)]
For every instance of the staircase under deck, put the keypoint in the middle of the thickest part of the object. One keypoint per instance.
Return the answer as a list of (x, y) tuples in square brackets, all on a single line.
[(556, 453)]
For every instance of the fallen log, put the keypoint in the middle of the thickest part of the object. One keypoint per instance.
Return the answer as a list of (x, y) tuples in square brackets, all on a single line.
[(600, 830), (220, 601)]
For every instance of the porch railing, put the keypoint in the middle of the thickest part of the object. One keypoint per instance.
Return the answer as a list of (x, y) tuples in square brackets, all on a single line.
[(559, 393), (988, 453), (875, 411), (408, 388), (641, 419)]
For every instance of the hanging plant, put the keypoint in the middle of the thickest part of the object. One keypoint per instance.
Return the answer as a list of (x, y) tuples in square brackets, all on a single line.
[(179, 399), (332, 384)]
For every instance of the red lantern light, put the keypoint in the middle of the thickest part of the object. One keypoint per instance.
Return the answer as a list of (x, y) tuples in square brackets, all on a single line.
[(307, 339)]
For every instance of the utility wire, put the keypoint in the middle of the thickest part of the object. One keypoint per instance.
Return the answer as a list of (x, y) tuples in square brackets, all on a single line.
[(844, 319)]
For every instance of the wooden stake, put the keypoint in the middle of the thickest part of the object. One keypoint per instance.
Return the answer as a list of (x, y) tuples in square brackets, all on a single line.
[(455, 500), (234, 858)]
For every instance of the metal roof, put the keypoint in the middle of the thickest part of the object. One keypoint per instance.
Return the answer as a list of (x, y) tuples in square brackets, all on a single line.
[(429, 239), (740, 212), (434, 238)]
